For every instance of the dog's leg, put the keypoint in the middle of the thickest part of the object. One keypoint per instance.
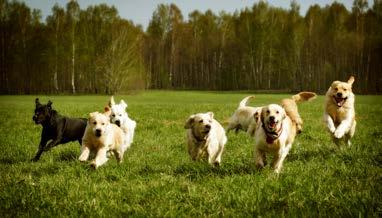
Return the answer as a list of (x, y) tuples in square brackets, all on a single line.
[(100, 158), (212, 151), (43, 141), (280, 157), (329, 122), (259, 158), (350, 134), (342, 129), (219, 155), (85, 151), (118, 155)]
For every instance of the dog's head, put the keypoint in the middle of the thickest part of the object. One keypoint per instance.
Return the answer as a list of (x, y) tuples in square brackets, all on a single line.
[(272, 116), (200, 124), (118, 113), (42, 112), (340, 91), (98, 123)]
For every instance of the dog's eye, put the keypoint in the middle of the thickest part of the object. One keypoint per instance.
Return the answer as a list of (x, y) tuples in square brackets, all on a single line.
[(113, 115), (336, 89), (277, 112), (200, 121), (95, 123), (120, 115), (103, 124), (345, 90), (268, 111)]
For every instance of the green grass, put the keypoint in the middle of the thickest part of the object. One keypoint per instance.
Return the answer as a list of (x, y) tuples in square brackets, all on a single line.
[(157, 177)]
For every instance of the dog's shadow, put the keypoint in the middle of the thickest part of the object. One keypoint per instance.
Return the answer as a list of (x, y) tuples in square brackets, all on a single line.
[(201, 170), (68, 156)]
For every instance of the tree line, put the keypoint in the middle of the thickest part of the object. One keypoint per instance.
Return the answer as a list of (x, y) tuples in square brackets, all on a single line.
[(257, 48)]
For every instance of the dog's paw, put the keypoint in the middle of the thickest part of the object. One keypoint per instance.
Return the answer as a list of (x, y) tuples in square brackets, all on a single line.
[(332, 129), (339, 133), (94, 165)]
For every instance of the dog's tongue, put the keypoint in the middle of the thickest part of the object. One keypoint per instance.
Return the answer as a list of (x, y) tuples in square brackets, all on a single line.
[(340, 102), (272, 125)]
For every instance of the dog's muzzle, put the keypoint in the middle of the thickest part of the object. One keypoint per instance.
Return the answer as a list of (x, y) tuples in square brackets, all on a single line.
[(118, 123), (98, 132), (35, 119), (338, 98)]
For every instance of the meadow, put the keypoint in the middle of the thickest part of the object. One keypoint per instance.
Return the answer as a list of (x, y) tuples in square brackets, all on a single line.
[(158, 178)]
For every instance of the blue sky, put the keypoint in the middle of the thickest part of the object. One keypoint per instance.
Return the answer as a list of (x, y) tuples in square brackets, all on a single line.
[(140, 11)]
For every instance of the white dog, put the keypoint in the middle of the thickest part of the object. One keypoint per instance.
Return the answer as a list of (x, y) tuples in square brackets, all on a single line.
[(100, 137), (205, 137), (277, 130), (339, 111), (119, 117), (244, 116)]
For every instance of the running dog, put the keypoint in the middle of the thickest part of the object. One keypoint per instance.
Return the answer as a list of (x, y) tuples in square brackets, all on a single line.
[(243, 116), (119, 117), (100, 137), (205, 138), (56, 129), (339, 111), (277, 130)]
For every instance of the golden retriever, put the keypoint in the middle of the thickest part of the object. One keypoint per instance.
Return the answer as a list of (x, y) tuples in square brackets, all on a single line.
[(205, 137), (339, 111), (277, 129), (100, 137), (243, 116)]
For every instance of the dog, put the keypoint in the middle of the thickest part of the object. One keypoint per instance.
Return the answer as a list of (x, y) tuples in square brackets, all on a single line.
[(205, 138), (119, 117), (244, 116), (100, 137), (339, 111), (277, 130), (56, 129)]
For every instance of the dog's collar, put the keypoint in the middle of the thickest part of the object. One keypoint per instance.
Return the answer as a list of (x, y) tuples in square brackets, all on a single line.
[(272, 135)]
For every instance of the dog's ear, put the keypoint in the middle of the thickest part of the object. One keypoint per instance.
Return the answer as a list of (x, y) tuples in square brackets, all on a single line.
[(211, 114), (111, 101), (256, 116), (123, 103), (37, 101), (189, 122), (351, 80), (107, 111), (262, 114), (49, 104)]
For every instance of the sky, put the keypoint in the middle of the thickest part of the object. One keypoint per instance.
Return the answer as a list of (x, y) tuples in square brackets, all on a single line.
[(140, 11)]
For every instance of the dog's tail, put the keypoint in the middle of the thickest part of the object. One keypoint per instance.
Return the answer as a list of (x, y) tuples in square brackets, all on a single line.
[(245, 100), (304, 96)]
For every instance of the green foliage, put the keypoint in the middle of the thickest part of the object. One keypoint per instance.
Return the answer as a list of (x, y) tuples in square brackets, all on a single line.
[(157, 177)]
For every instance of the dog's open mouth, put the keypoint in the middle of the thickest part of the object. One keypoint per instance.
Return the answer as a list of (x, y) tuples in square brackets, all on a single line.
[(339, 101), (272, 124), (206, 131)]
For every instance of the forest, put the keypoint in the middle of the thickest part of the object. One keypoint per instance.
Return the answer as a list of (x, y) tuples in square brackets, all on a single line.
[(259, 48)]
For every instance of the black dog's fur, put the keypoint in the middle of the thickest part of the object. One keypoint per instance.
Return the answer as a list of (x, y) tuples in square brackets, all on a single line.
[(59, 129)]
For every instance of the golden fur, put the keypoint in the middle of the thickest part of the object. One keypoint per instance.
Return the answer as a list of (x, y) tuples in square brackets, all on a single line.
[(244, 116), (277, 130), (339, 111), (205, 137), (100, 137)]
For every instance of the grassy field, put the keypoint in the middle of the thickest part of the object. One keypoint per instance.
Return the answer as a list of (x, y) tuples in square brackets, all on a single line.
[(157, 177)]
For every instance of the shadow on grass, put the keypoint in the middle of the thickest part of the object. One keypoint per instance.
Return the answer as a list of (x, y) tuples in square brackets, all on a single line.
[(201, 170), (68, 156), (308, 155)]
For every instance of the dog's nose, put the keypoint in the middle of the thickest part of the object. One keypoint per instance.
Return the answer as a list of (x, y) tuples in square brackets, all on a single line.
[(339, 94), (271, 118), (208, 126), (118, 123), (98, 132)]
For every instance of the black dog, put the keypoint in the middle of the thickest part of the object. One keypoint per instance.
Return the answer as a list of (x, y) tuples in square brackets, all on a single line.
[(59, 129)]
